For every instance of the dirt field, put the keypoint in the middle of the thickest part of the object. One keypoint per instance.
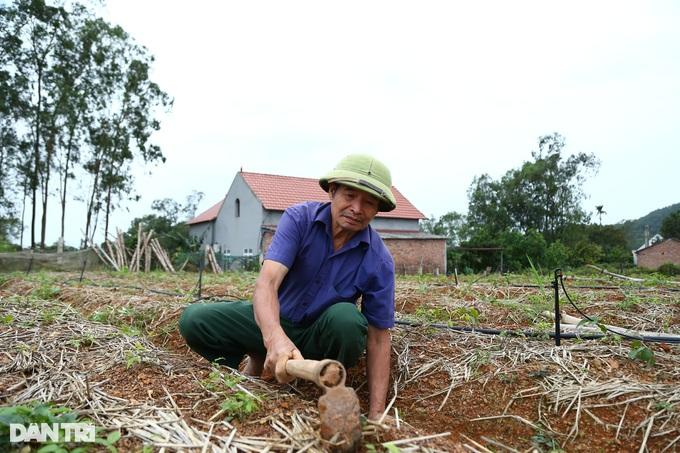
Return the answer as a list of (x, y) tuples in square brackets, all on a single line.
[(108, 348)]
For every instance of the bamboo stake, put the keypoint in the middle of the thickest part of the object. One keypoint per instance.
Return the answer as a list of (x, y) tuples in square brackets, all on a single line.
[(137, 249), (147, 252), (104, 257)]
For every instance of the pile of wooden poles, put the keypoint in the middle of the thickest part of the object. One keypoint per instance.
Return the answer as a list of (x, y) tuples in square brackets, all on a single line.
[(211, 259), (147, 246)]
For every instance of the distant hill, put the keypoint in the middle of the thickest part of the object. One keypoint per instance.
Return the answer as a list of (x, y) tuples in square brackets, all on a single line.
[(635, 229)]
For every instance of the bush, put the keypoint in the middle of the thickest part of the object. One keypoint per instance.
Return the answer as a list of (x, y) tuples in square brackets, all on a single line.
[(7, 247), (669, 269)]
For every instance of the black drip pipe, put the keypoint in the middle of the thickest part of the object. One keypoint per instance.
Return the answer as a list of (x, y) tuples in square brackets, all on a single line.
[(556, 287), (528, 333)]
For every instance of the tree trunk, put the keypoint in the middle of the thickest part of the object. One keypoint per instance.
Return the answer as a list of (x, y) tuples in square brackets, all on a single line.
[(36, 158), (66, 166), (108, 211), (90, 206), (46, 186)]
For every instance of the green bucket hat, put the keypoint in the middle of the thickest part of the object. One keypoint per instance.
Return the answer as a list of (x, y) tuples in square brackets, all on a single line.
[(365, 173)]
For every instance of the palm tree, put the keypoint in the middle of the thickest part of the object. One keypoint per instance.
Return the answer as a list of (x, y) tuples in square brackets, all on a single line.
[(600, 211)]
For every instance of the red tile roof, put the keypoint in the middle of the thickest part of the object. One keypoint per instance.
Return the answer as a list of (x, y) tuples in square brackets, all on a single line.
[(279, 192), (208, 215)]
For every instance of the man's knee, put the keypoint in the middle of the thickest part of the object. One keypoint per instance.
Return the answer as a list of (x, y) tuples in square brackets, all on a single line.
[(189, 323), (345, 320)]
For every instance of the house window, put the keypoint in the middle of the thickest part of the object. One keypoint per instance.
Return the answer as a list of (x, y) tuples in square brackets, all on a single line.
[(238, 208)]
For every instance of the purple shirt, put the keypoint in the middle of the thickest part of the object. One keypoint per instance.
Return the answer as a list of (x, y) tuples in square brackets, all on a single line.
[(319, 277)]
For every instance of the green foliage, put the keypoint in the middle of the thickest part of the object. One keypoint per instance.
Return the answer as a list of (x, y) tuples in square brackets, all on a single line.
[(543, 195), (46, 413), (134, 357), (670, 227), (544, 442), (219, 382), (639, 351), (468, 315), (75, 97), (45, 291), (669, 269), (557, 255), (131, 320), (594, 321), (629, 302), (239, 405)]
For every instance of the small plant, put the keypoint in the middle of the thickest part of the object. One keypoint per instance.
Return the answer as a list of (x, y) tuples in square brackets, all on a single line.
[(638, 351), (592, 322), (49, 315), (629, 303), (468, 315), (479, 359), (45, 291), (7, 320), (239, 405), (218, 382), (664, 406), (544, 442), (507, 379), (134, 356)]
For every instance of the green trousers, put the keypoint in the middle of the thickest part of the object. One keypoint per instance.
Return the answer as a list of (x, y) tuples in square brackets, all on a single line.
[(225, 331)]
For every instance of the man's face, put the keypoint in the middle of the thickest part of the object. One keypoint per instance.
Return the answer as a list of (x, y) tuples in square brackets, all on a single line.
[(351, 209)]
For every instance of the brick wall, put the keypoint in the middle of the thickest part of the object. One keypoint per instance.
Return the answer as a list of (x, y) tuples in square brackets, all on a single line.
[(411, 256), (415, 256), (267, 237), (667, 251)]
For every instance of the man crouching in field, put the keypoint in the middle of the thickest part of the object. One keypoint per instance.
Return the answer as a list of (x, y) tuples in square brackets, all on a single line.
[(321, 259)]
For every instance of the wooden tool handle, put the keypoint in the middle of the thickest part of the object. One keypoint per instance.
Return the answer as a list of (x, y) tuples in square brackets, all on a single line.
[(324, 373)]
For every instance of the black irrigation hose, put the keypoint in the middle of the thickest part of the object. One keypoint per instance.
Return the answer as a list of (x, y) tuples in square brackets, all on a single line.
[(622, 288), (528, 333), (514, 333)]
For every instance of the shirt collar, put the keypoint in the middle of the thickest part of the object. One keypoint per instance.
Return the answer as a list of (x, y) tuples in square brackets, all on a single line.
[(323, 215)]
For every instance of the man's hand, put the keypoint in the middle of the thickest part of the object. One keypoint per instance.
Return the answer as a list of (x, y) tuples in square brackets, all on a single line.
[(279, 350)]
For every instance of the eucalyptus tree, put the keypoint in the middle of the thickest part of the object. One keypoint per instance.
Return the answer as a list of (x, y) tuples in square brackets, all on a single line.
[(120, 129), (30, 38)]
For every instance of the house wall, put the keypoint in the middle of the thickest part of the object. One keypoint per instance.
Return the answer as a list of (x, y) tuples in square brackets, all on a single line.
[(416, 256), (665, 252), (239, 235), (199, 229)]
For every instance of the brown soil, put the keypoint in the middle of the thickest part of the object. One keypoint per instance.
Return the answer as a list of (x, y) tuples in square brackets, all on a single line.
[(503, 386)]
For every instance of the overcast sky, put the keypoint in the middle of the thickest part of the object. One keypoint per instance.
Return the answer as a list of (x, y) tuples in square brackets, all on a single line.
[(440, 91)]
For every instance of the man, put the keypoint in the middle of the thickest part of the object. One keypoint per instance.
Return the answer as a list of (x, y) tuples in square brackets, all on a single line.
[(321, 259)]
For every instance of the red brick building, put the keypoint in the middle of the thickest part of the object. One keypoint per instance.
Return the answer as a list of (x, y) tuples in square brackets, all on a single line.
[(244, 222), (663, 252)]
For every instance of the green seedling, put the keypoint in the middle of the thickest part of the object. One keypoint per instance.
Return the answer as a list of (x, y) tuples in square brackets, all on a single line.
[(239, 405), (641, 352)]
